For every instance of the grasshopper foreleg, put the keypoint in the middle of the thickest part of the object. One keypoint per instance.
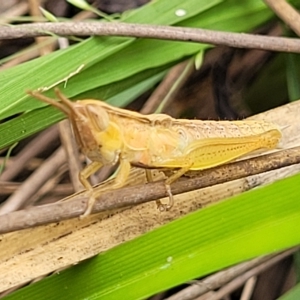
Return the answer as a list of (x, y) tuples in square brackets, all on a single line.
[(83, 177), (122, 175)]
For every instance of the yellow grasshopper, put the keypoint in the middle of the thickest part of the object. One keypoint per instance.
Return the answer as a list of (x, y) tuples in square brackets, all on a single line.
[(110, 135)]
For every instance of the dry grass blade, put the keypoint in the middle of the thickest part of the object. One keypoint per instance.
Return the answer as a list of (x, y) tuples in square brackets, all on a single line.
[(35, 181), (72, 153), (236, 275), (165, 88), (36, 146), (286, 12)]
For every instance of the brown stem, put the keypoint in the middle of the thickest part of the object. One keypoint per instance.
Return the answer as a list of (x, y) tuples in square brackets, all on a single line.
[(238, 40), (130, 196)]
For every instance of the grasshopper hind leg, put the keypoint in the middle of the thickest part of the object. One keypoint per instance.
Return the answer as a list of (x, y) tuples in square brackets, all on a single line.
[(160, 206), (168, 183), (165, 207)]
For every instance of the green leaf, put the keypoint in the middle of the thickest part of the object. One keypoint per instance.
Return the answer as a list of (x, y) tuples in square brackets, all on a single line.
[(33, 121), (49, 16), (293, 75), (101, 63), (259, 96), (293, 294), (199, 60), (85, 6), (255, 223), (60, 64)]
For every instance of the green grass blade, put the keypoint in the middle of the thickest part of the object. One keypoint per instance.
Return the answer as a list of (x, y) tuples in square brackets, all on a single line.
[(164, 12), (293, 294), (109, 61), (293, 75), (47, 70), (255, 223), (38, 119)]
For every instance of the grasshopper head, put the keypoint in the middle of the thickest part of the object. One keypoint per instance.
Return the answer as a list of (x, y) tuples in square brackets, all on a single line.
[(95, 135), (97, 132)]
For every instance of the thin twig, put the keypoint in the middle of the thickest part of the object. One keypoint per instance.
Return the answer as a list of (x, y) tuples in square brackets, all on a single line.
[(130, 196), (33, 52), (35, 12), (35, 181), (72, 153), (47, 188), (237, 40), (249, 288), (164, 88), (239, 281), (33, 148), (28, 53), (239, 272), (31, 165), (287, 13), (14, 11), (178, 83), (62, 189)]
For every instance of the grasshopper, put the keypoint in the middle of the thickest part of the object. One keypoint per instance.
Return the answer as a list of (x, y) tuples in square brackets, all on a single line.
[(110, 135)]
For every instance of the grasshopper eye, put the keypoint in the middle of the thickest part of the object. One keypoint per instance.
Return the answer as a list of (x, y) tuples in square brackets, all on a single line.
[(98, 117)]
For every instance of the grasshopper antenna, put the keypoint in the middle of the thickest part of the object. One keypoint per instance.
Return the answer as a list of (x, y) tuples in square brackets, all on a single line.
[(65, 105)]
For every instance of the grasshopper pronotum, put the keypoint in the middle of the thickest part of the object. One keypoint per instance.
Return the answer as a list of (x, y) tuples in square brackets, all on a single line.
[(108, 135)]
